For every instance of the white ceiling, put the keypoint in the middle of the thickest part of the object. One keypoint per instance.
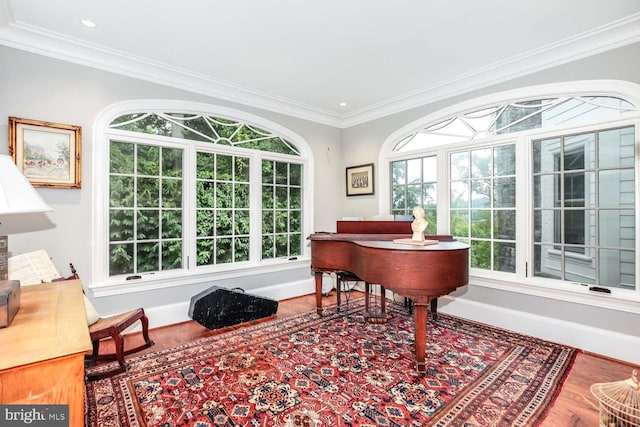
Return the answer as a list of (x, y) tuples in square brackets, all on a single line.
[(304, 57)]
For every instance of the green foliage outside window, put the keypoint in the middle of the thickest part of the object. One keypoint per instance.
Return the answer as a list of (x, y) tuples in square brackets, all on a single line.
[(414, 184), (281, 209), (145, 210), (222, 208), (147, 183), (206, 129), (483, 205)]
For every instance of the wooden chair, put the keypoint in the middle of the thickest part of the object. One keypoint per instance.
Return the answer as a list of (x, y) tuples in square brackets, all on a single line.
[(113, 327)]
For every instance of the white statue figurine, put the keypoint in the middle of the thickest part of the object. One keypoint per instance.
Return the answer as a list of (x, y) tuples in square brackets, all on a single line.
[(419, 224)]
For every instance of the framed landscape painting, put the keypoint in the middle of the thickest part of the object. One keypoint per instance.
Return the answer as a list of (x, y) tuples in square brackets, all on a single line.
[(360, 180), (47, 154)]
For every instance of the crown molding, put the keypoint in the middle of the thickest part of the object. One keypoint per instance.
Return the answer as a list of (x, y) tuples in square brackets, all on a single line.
[(20, 36), (35, 40), (617, 34)]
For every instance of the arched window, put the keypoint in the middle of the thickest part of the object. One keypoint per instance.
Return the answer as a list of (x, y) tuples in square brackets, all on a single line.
[(193, 189), (541, 182), (515, 117)]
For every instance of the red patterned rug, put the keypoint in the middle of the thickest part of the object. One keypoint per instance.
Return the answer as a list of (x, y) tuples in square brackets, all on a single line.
[(338, 370)]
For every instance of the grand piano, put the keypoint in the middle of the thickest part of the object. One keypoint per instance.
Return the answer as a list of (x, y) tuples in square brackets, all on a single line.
[(366, 250)]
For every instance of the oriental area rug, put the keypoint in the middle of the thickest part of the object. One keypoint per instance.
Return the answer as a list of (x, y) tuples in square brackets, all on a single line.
[(338, 370)]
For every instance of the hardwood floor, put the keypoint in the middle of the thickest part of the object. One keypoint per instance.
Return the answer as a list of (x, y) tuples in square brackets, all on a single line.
[(574, 407)]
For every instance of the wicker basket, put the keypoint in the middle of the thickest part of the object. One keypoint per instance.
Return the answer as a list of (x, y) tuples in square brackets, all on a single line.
[(619, 402)]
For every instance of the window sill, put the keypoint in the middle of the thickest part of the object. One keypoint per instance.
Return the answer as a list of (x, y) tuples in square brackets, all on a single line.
[(619, 299), (153, 281)]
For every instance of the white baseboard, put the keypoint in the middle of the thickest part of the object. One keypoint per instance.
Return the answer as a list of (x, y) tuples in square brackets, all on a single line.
[(607, 343), (611, 344)]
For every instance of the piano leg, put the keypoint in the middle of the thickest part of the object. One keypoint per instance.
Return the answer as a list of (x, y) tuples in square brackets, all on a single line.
[(318, 276), (367, 296), (433, 307), (421, 336)]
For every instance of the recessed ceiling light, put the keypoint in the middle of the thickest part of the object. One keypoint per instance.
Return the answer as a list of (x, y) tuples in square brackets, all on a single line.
[(343, 104), (88, 23)]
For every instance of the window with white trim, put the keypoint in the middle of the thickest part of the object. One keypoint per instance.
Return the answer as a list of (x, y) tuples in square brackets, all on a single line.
[(483, 204), (584, 207), (542, 187), (414, 183), (199, 192)]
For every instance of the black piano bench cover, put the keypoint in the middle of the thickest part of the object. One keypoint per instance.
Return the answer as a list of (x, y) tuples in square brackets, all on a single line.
[(218, 307)]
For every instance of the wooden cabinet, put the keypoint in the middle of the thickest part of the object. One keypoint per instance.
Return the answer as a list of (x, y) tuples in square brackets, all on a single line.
[(42, 351)]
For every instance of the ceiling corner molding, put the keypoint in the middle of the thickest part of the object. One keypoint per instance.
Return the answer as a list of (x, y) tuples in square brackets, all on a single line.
[(617, 34), (34, 40), (16, 35)]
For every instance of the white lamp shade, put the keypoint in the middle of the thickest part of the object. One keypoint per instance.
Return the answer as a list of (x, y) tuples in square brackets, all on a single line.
[(16, 193)]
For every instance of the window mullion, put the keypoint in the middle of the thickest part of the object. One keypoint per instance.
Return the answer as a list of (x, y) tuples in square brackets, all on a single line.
[(443, 191), (255, 203), (188, 212), (524, 207)]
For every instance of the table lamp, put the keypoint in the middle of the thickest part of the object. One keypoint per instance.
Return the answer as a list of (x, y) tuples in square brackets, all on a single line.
[(17, 196)]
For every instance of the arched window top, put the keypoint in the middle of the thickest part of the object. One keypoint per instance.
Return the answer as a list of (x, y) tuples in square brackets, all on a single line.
[(516, 116), (205, 128)]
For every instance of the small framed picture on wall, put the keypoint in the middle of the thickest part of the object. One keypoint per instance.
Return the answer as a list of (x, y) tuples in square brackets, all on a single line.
[(360, 180), (47, 154)]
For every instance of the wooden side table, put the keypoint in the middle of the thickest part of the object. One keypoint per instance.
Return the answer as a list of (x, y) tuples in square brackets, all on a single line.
[(42, 351)]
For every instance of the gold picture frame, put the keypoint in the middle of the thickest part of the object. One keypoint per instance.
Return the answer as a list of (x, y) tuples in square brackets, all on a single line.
[(48, 154), (360, 180)]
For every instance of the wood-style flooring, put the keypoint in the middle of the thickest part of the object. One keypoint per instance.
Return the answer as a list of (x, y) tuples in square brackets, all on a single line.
[(574, 407)]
